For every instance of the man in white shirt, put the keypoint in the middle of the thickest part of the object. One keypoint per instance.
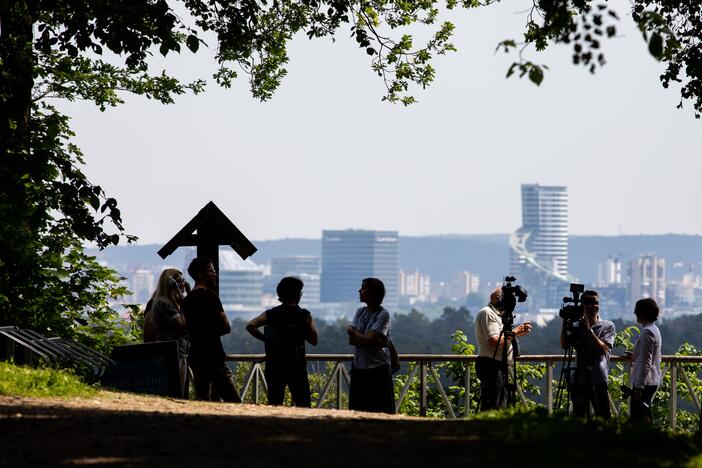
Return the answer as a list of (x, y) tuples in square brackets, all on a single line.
[(489, 367)]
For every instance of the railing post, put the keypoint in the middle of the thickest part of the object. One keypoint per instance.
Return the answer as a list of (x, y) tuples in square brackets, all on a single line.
[(466, 397), (339, 378), (423, 388), (631, 376), (549, 386), (257, 369), (673, 394)]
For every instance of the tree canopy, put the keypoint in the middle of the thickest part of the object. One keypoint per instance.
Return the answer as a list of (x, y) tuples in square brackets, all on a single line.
[(99, 50)]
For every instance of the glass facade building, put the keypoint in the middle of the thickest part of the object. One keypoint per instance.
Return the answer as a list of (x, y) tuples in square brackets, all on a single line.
[(305, 267), (350, 255)]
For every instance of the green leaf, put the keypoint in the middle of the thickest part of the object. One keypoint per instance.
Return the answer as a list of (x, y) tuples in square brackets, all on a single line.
[(655, 46), (510, 72), (536, 75), (193, 43)]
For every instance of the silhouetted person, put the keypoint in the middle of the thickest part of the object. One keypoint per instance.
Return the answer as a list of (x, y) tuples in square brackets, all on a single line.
[(593, 340), (371, 377), (646, 361), (206, 322), (287, 327), (489, 367), (163, 321)]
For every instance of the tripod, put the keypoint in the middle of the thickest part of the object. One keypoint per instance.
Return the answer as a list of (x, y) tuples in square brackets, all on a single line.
[(567, 372), (509, 372)]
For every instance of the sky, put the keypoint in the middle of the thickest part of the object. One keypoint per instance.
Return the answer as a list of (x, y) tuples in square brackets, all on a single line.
[(326, 153)]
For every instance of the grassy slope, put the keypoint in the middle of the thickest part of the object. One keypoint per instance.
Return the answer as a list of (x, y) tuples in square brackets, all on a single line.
[(25, 381)]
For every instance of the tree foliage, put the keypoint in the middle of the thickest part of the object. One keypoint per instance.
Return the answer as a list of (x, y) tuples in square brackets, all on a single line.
[(99, 50)]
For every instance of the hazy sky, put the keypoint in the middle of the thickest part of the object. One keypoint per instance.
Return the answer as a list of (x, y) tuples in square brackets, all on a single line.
[(326, 153)]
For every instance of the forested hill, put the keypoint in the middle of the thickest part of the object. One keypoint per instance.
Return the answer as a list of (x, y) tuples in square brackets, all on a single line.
[(441, 256), (414, 333)]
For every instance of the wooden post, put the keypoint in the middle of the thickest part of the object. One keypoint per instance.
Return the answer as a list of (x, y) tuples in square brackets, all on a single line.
[(423, 388), (549, 386)]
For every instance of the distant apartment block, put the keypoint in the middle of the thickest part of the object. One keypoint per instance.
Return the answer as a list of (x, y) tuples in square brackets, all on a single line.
[(415, 285), (647, 279), (609, 272), (463, 283), (350, 255), (142, 285)]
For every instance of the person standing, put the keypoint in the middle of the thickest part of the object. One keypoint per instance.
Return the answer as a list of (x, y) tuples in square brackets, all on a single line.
[(646, 361), (163, 320), (206, 322), (489, 366), (371, 386), (593, 339), (287, 327)]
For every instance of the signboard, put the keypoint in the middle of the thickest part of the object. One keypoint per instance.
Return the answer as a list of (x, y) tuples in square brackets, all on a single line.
[(145, 368)]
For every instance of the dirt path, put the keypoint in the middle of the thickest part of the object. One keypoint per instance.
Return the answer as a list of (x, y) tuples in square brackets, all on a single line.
[(117, 429)]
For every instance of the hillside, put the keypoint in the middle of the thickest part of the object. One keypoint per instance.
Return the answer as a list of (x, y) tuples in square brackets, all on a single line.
[(440, 256)]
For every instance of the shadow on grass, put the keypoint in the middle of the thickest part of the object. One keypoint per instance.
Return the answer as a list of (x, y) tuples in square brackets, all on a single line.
[(35, 435)]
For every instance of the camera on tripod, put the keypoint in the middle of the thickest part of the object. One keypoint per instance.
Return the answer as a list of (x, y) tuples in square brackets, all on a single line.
[(572, 309), (511, 294)]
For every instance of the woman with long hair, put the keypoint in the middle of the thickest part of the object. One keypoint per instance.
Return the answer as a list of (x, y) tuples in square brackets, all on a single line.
[(163, 321)]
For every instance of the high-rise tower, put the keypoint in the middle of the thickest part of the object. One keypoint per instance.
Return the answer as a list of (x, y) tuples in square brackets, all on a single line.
[(539, 249)]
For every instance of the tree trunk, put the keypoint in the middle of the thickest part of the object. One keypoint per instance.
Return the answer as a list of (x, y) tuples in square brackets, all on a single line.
[(17, 78)]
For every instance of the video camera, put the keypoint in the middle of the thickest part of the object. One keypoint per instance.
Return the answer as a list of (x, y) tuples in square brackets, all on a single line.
[(572, 308), (511, 294)]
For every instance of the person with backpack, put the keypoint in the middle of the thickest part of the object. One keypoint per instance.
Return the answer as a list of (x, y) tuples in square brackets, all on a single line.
[(287, 327), (371, 372)]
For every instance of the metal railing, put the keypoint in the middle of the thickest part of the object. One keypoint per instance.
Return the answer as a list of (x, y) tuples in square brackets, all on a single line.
[(255, 379)]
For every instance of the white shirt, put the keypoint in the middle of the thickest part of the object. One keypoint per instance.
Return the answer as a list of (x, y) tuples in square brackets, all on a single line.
[(647, 357), (488, 324)]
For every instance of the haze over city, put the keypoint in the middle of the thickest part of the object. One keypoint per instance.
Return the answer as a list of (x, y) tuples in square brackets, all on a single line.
[(326, 153)]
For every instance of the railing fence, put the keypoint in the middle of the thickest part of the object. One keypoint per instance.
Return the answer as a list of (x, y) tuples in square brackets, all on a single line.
[(424, 365)]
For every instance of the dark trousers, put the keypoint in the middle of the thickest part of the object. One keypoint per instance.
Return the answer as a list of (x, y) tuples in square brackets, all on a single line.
[(292, 373), (213, 381), (492, 383), (641, 410), (595, 395), (372, 390)]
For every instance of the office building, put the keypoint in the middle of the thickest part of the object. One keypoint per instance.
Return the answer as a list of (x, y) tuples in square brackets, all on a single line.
[(304, 267), (350, 255), (240, 282)]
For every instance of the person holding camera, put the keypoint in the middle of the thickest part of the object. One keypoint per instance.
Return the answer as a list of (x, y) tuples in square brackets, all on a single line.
[(646, 361), (287, 327), (489, 366), (592, 339)]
